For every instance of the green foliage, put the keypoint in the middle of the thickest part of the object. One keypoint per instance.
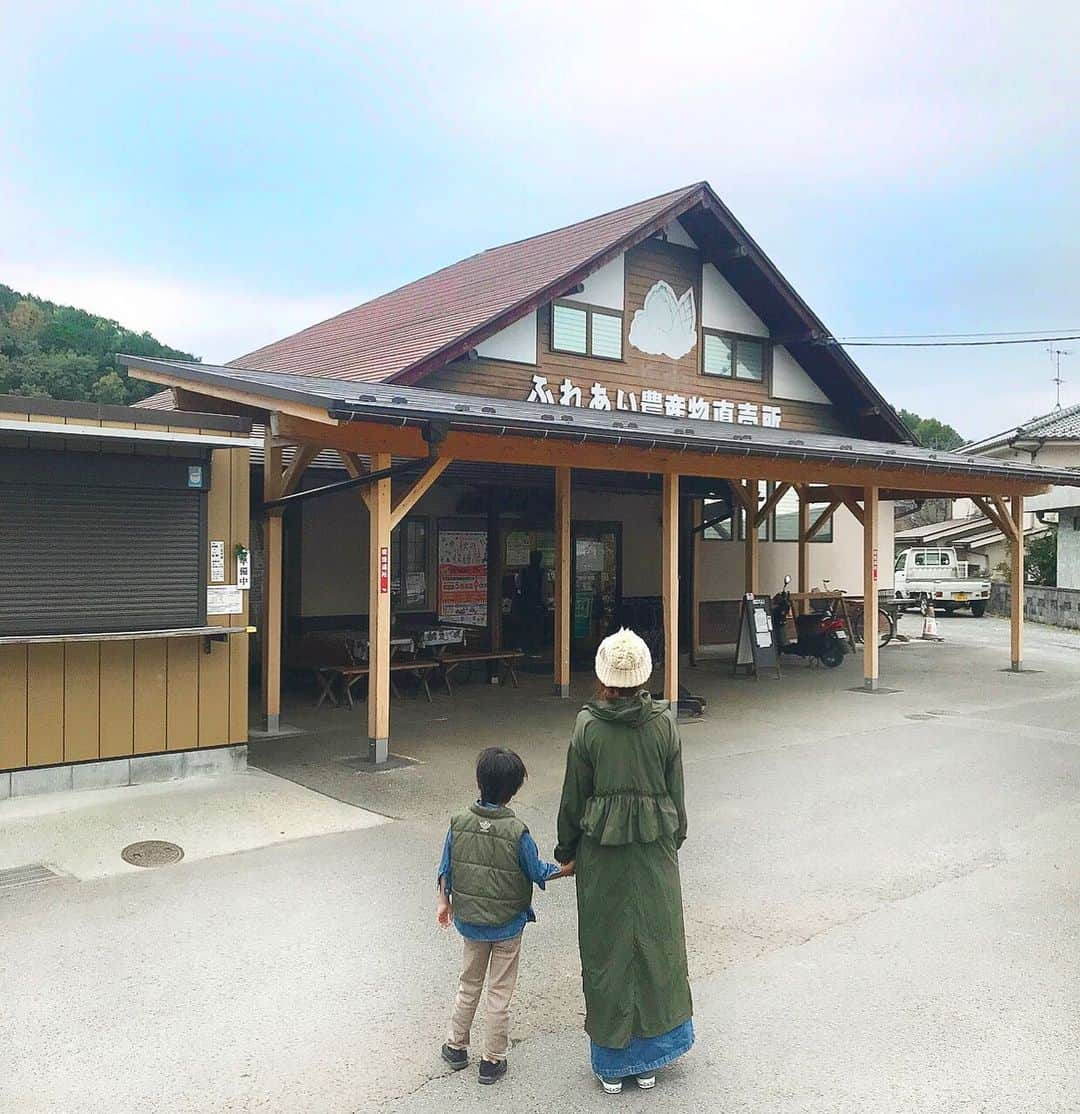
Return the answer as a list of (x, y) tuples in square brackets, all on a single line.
[(1040, 563), (51, 351), (932, 433)]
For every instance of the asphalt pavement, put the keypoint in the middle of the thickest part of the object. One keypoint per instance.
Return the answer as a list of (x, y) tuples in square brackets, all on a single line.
[(881, 901)]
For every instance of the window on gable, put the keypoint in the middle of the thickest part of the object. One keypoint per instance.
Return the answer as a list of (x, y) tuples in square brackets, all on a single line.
[(732, 356), (586, 331)]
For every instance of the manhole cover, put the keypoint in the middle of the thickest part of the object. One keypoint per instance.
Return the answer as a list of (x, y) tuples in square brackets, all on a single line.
[(152, 852)]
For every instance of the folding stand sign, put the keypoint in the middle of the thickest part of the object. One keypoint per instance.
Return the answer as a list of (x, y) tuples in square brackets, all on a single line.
[(755, 647)]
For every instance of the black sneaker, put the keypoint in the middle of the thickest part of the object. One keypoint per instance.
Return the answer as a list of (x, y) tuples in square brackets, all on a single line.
[(457, 1058), (491, 1071)]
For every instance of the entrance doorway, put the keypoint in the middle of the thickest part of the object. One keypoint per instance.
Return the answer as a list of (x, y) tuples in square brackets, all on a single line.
[(596, 584)]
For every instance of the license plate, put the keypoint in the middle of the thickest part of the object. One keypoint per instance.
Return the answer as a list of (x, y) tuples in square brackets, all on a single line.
[(960, 596), (841, 634)]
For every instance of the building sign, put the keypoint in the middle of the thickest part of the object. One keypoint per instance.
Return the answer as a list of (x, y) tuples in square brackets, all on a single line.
[(243, 568), (384, 570), (463, 577), (651, 401), (217, 562)]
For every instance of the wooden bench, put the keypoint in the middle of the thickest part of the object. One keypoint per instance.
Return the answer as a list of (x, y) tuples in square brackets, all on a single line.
[(505, 658), (352, 674)]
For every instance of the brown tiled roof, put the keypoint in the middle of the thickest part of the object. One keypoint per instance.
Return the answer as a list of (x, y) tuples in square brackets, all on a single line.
[(387, 336), (163, 400)]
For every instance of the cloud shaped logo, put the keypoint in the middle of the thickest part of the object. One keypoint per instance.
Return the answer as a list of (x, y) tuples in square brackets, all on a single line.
[(665, 325)]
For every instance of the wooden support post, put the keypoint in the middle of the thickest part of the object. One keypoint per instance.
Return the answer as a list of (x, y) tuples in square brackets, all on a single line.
[(272, 588), (495, 577), (870, 583), (697, 518), (670, 582), (752, 550), (1017, 593), (378, 704), (804, 545), (563, 596)]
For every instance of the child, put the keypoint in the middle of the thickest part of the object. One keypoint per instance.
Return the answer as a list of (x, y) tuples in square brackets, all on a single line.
[(486, 877)]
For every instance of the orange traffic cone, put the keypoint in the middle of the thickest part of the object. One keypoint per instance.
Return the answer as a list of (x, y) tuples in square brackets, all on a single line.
[(929, 627)]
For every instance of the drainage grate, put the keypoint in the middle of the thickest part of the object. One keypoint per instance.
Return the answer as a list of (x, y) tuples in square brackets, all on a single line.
[(152, 852), (31, 875)]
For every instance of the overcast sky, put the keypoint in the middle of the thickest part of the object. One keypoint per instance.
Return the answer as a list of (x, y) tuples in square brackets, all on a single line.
[(225, 173)]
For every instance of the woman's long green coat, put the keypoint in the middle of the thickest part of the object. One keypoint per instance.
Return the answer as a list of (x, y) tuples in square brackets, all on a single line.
[(623, 819)]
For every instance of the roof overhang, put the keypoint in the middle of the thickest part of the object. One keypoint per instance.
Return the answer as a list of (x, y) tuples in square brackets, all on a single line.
[(727, 245), (404, 421)]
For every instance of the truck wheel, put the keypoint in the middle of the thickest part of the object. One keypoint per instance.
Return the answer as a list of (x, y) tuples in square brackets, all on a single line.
[(978, 608)]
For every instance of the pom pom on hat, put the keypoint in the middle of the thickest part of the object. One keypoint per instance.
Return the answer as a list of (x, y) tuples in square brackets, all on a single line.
[(623, 660)]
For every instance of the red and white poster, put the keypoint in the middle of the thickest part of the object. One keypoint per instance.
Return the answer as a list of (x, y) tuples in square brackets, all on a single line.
[(463, 577)]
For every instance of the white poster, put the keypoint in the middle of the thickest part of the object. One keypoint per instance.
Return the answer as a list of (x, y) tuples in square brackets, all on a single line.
[(217, 562), (225, 600), (463, 577)]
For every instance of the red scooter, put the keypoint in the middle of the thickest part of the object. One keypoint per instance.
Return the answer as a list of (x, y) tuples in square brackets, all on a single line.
[(818, 635)]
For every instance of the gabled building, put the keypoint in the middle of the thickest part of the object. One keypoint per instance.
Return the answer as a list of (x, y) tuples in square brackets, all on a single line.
[(1051, 440), (641, 398)]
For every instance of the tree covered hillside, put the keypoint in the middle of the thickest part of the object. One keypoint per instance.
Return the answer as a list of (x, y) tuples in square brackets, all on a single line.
[(51, 351)]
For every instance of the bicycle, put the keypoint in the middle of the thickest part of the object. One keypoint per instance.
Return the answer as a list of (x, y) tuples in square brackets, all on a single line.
[(856, 616)]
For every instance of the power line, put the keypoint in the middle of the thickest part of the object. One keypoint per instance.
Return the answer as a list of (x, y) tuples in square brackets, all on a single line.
[(852, 343), (1036, 333)]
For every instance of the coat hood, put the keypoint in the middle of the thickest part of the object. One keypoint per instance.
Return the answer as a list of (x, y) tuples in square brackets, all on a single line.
[(631, 710)]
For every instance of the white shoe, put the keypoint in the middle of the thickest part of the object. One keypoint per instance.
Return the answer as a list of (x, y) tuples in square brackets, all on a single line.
[(611, 1086), (646, 1082)]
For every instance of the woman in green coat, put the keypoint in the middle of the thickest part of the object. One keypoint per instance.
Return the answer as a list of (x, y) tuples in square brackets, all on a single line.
[(622, 820)]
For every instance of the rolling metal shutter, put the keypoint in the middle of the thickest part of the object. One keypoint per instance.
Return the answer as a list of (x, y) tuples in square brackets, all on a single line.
[(96, 543)]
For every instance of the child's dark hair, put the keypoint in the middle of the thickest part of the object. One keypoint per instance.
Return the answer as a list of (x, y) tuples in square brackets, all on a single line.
[(499, 774)]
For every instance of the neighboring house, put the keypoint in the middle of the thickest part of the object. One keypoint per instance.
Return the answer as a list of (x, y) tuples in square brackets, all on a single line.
[(1051, 440), (974, 537)]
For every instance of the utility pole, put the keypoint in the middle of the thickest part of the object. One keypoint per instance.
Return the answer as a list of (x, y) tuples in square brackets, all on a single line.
[(1055, 355)]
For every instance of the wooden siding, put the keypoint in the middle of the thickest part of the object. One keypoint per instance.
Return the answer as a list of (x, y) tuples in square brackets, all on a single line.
[(646, 264), (76, 702)]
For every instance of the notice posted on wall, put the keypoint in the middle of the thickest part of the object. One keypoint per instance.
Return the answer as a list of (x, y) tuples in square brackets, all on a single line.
[(226, 599), (463, 577)]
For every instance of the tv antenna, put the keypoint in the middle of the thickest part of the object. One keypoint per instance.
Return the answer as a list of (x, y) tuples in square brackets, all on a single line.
[(1055, 355)]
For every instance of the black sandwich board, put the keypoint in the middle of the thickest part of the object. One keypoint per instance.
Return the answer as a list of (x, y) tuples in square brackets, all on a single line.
[(755, 647)]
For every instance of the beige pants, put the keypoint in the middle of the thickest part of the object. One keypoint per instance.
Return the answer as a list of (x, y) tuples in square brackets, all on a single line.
[(499, 961)]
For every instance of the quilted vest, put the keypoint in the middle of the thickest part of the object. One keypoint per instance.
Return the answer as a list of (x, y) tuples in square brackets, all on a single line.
[(489, 887)]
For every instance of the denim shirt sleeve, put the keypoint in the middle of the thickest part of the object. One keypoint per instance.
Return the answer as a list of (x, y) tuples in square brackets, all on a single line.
[(532, 866), (444, 863)]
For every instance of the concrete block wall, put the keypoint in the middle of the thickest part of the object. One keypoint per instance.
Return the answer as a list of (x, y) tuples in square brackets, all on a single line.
[(1059, 607), (115, 772)]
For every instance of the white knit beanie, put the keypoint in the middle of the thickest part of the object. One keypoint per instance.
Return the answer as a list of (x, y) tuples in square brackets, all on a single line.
[(623, 660)]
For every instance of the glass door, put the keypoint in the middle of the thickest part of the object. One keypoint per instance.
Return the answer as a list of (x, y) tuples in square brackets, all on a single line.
[(596, 584)]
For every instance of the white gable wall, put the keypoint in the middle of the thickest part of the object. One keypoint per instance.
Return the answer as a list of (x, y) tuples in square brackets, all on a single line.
[(676, 234), (604, 287), (517, 342), (790, 381), (722, 308)]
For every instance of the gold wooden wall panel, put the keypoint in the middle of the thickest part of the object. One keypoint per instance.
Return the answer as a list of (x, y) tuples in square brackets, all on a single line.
[(117, 714), (150, 695), (82, 687), (44, 704), (182, 693), (12, 706)]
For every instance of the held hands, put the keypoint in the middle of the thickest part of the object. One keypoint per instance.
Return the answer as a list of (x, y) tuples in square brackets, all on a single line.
[(567, 870)]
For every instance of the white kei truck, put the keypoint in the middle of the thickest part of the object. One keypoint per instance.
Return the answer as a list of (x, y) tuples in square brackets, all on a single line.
[(926, 575)]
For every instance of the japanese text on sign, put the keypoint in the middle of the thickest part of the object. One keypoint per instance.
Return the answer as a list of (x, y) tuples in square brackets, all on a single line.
[(656, 402), (384, 569)]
